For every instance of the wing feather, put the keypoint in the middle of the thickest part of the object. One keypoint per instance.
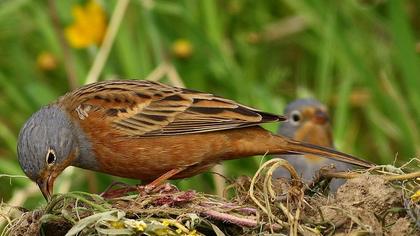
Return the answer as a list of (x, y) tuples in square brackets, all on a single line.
[(145, 108)]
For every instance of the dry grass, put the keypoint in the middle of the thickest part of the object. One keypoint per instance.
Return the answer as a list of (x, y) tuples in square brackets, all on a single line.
[(375, 202)]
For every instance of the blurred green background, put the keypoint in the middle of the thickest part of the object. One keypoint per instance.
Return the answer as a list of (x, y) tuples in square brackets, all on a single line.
[(359, 57)]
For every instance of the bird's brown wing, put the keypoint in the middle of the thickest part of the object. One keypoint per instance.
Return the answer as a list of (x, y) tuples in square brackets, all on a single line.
[(145, 108)]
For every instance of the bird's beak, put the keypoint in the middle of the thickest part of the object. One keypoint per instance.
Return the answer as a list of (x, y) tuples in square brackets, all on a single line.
[(320, 117), (46, 186)]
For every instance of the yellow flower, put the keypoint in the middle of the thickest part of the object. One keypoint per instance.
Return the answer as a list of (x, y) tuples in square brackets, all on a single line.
[(46, 61), (136, 225), (117, 224), (182, 48), (416, 196), (180, 228), (193, 233), (89, 25), (166, 222)]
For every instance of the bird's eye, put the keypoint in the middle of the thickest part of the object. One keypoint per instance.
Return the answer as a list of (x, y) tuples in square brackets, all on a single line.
[(295, 117), (50, 158)]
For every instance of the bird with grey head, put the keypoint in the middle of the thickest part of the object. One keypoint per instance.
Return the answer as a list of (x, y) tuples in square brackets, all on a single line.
[(309, 121), (47, 143)]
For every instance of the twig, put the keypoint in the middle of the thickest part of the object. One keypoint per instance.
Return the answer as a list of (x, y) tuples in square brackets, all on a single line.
[(352, 175), (245, 222), (20, 196), (267, 192), (340, 175), (6, 212), (219, 180), (109, 38), (174, 77), (158, 72), (252, 186), (13, 176), (276, 163), (412, 175), (68, 58), (410, 161), (293, 220)]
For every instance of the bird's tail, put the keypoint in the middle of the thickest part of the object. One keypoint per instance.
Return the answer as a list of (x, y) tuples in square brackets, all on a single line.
[(297, 147)]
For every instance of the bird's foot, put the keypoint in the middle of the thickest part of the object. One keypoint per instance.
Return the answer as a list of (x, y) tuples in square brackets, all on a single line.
[(162, 188), (117, 189)]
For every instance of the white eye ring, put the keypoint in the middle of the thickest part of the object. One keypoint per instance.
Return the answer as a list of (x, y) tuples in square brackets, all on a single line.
[(295, 117), (50, 158)]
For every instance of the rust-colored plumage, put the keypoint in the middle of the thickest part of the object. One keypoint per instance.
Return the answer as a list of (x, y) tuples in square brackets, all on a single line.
[(143, 129)]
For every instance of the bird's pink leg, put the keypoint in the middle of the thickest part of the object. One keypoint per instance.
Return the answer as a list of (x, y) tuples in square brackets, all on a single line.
[(154, 186), (157, 182)]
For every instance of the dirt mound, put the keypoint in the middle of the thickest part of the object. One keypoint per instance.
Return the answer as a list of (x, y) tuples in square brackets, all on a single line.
[(364, 204)]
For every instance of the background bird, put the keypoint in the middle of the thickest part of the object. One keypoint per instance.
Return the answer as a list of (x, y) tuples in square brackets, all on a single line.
[(149, 131), (309, 121)]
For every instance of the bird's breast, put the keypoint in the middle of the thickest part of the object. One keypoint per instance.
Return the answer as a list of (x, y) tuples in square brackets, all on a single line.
[(147, 158)]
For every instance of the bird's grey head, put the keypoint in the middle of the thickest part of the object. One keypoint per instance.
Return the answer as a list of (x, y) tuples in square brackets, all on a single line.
[(300, 112), (45, 144)]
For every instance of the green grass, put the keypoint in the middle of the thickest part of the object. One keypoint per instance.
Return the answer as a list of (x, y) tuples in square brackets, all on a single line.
[(358, 57)]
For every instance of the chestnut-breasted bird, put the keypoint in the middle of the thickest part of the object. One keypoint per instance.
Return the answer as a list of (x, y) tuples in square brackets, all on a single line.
[(149, 131), (309, 121)]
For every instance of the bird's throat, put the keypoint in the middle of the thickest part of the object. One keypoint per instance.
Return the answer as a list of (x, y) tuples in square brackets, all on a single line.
[(85, 158)]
